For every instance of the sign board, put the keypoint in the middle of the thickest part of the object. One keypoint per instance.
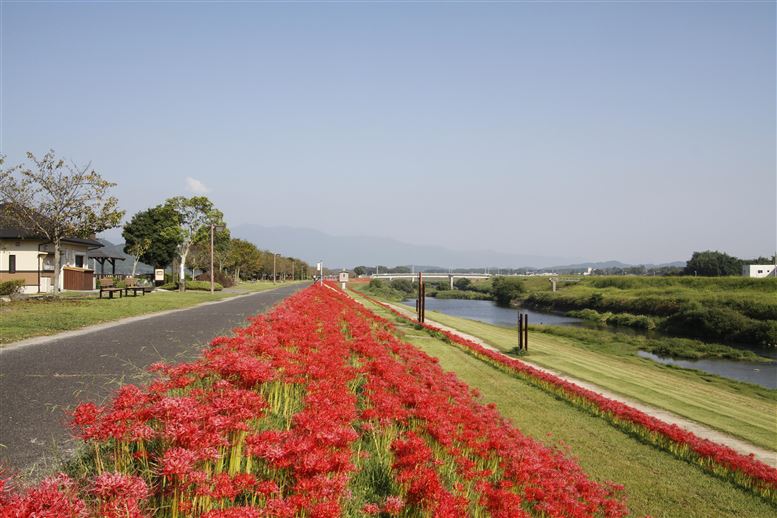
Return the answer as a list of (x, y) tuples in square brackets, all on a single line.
[(343, 276), (318, 266), (159, 275)]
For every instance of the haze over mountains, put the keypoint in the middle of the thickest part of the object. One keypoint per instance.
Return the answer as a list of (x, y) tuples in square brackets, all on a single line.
[(349, 251)]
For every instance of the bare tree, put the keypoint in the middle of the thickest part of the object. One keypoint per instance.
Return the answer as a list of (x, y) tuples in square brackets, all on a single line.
[(137, 249), (58, 200)]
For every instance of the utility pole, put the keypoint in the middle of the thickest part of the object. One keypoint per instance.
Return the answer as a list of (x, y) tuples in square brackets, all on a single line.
[(274, 255), (211, 261), (213, 229)]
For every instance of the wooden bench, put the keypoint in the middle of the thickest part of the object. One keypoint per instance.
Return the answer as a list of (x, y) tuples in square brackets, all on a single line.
[(107, 286), (131, 285)]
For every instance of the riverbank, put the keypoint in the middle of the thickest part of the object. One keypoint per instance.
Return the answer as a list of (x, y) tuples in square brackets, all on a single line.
[(664, 336), (730, 310), (740, 409)]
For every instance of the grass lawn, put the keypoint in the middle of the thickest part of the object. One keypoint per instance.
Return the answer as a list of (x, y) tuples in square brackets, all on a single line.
[(740, 409), (27, 318), (656, 483)]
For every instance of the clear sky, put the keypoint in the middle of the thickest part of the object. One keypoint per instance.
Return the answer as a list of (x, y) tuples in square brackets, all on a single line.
[(631, 131)]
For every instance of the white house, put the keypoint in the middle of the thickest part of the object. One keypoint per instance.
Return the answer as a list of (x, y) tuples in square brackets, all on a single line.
[(759, 270), (31, 258)]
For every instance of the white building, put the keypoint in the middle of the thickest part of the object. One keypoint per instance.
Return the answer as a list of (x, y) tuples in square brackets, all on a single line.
[(759, 270), (30, 258)]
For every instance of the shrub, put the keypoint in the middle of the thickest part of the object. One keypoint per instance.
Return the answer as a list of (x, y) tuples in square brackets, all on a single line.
[(629, 320), (403, 285), (193, 285), (219, 277), (459, 294), (720, 323), (462, 284), (507, 289), (11, 287)]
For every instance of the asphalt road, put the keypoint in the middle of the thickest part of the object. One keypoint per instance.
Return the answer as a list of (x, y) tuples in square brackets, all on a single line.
[(39, 382)]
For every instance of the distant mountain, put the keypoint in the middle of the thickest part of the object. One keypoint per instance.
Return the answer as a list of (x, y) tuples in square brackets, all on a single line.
[(348, 251), (122, 267)]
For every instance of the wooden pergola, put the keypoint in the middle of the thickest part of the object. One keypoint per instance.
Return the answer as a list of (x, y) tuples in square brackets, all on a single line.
[(102, 258)]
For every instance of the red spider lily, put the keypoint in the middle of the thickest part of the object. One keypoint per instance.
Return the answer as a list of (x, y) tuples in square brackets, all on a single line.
[(279, 419), (55, 497), (119, 495)]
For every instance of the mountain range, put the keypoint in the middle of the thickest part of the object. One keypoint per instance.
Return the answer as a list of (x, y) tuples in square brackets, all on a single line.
[(349, 251), (122, 267)]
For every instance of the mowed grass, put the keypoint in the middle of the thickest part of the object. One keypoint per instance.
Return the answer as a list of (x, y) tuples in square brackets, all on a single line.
[(740, 409), (28, 318), (656, 483)]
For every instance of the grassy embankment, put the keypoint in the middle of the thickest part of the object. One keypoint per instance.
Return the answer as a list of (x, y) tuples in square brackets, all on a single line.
[(27, 318), (726, 309), (655, 482), (693, 314), (740, 409)]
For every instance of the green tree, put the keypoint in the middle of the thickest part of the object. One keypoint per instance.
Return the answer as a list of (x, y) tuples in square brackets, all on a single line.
[(157, 225), (56, 200), (243, 256), (462, 284), (359, 270), (713, 264), (507, 289)]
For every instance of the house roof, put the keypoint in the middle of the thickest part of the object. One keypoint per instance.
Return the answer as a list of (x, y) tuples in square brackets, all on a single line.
[(100, 254), (10, 228)]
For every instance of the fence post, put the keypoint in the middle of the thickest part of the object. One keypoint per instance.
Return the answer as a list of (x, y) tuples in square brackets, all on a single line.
[(520, 331), (526, 332)]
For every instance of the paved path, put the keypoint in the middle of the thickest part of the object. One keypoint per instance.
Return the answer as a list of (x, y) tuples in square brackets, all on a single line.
[(42, 377), (766, 456)]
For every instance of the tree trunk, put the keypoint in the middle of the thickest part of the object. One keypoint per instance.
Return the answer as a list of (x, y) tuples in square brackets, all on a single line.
[(57, 267), (237, 275), (134, 265), (182, 273)]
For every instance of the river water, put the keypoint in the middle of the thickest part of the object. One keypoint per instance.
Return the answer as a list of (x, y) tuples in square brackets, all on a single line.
[(487, 311), (764, 374)]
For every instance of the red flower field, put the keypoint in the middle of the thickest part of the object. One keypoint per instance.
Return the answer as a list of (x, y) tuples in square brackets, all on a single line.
[(316, 409)]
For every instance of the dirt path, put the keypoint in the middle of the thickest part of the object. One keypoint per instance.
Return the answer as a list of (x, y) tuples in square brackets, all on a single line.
[(766, 456)]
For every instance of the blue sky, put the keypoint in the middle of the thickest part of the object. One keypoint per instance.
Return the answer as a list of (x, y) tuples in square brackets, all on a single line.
[(639, 131)]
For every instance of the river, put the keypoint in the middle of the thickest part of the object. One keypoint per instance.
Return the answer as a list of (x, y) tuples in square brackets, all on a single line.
[(487, 311), (764, 374)]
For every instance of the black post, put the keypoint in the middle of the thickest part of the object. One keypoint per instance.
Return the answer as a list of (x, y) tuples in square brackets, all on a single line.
[(526, 332), (520, 331), (423, 305), (421, 298)]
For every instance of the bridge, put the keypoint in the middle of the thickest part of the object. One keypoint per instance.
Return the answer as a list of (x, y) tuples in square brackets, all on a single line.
[(432, 275)]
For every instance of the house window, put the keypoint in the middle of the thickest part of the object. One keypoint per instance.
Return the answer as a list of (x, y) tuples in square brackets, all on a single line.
[(11, 264), (79, 261)]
